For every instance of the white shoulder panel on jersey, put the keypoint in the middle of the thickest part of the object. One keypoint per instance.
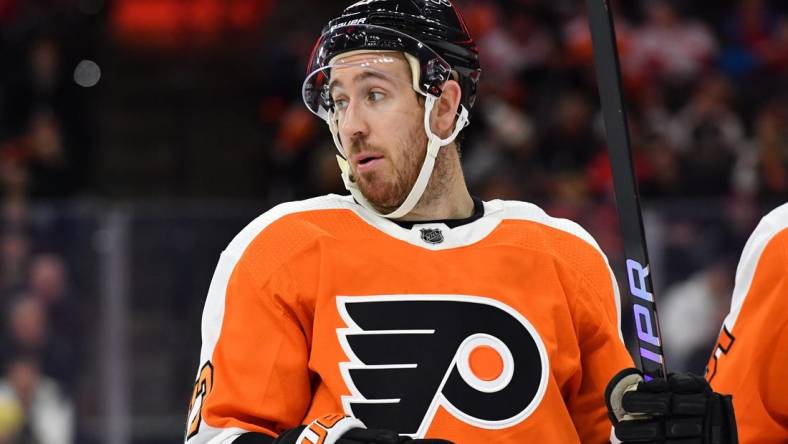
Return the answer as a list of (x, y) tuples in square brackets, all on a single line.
[(772, 224), (518, 210)]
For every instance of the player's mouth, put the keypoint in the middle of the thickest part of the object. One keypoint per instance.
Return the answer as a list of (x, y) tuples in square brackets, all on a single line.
[(366, 161)]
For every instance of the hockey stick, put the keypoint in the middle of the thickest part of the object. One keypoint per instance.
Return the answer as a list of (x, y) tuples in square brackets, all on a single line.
[(608, 71)]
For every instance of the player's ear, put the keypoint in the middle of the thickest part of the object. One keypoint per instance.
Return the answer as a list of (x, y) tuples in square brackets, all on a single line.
[(445, 111)]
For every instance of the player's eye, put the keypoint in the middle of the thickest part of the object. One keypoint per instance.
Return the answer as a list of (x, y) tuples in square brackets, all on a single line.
[(375, 96), (340, 103)]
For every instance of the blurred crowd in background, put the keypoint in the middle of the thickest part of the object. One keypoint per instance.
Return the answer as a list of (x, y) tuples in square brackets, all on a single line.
[(43, 139), (706, 83)]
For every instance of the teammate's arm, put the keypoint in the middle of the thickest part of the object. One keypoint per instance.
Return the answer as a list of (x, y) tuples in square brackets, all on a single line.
[(749, 358)]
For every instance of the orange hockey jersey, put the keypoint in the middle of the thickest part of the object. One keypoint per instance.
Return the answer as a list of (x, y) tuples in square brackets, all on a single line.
[(505, 329), (750, 361)]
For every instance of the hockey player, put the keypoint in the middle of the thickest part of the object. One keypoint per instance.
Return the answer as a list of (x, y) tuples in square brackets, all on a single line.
[(407, 312), (749, 360)]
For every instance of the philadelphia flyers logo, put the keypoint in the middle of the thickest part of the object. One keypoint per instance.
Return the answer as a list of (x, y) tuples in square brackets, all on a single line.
[(478, 358)]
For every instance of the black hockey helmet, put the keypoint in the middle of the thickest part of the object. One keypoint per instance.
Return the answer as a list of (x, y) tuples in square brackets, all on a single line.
[(432, 31)]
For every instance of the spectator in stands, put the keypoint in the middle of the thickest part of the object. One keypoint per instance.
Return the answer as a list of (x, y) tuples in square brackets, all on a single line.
[(47, 160), (44, 130), (47, 414), (523, 43), (11, 418), (14, 174), (14, 257), (653, 113), (691, 313), (30, 332), (36, 164), (48, 284), (776, 50), (14, 214), (291, 150), (772, 145), (747, 35), (709, 135), (665, 175), (48, 279), (27, 326), (579, 49), (507, 143), (36, 83), (670, 46), (762, 168), (567, 147)]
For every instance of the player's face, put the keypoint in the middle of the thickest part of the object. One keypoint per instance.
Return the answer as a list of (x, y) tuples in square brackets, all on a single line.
[(380, 123)]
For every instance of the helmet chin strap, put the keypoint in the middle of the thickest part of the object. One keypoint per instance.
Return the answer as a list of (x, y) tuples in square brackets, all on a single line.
[(434, 144)]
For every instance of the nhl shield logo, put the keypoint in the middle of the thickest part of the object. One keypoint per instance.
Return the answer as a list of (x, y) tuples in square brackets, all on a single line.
[(431, 235)]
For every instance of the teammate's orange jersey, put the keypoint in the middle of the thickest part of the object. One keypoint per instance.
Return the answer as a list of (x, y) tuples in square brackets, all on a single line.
[(503, 330), (749, 361)]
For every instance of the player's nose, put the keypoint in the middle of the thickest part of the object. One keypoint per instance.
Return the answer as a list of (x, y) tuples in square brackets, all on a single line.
[(353, 124)]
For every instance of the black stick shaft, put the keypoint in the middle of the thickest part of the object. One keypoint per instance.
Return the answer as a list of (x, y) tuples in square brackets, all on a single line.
[(640, 287)]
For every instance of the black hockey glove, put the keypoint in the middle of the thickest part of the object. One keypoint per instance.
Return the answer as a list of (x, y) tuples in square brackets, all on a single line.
[(680, 410), (338, 429)]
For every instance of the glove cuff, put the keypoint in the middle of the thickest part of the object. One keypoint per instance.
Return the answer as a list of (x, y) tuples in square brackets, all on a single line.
[(624, 381), (328, 429)]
